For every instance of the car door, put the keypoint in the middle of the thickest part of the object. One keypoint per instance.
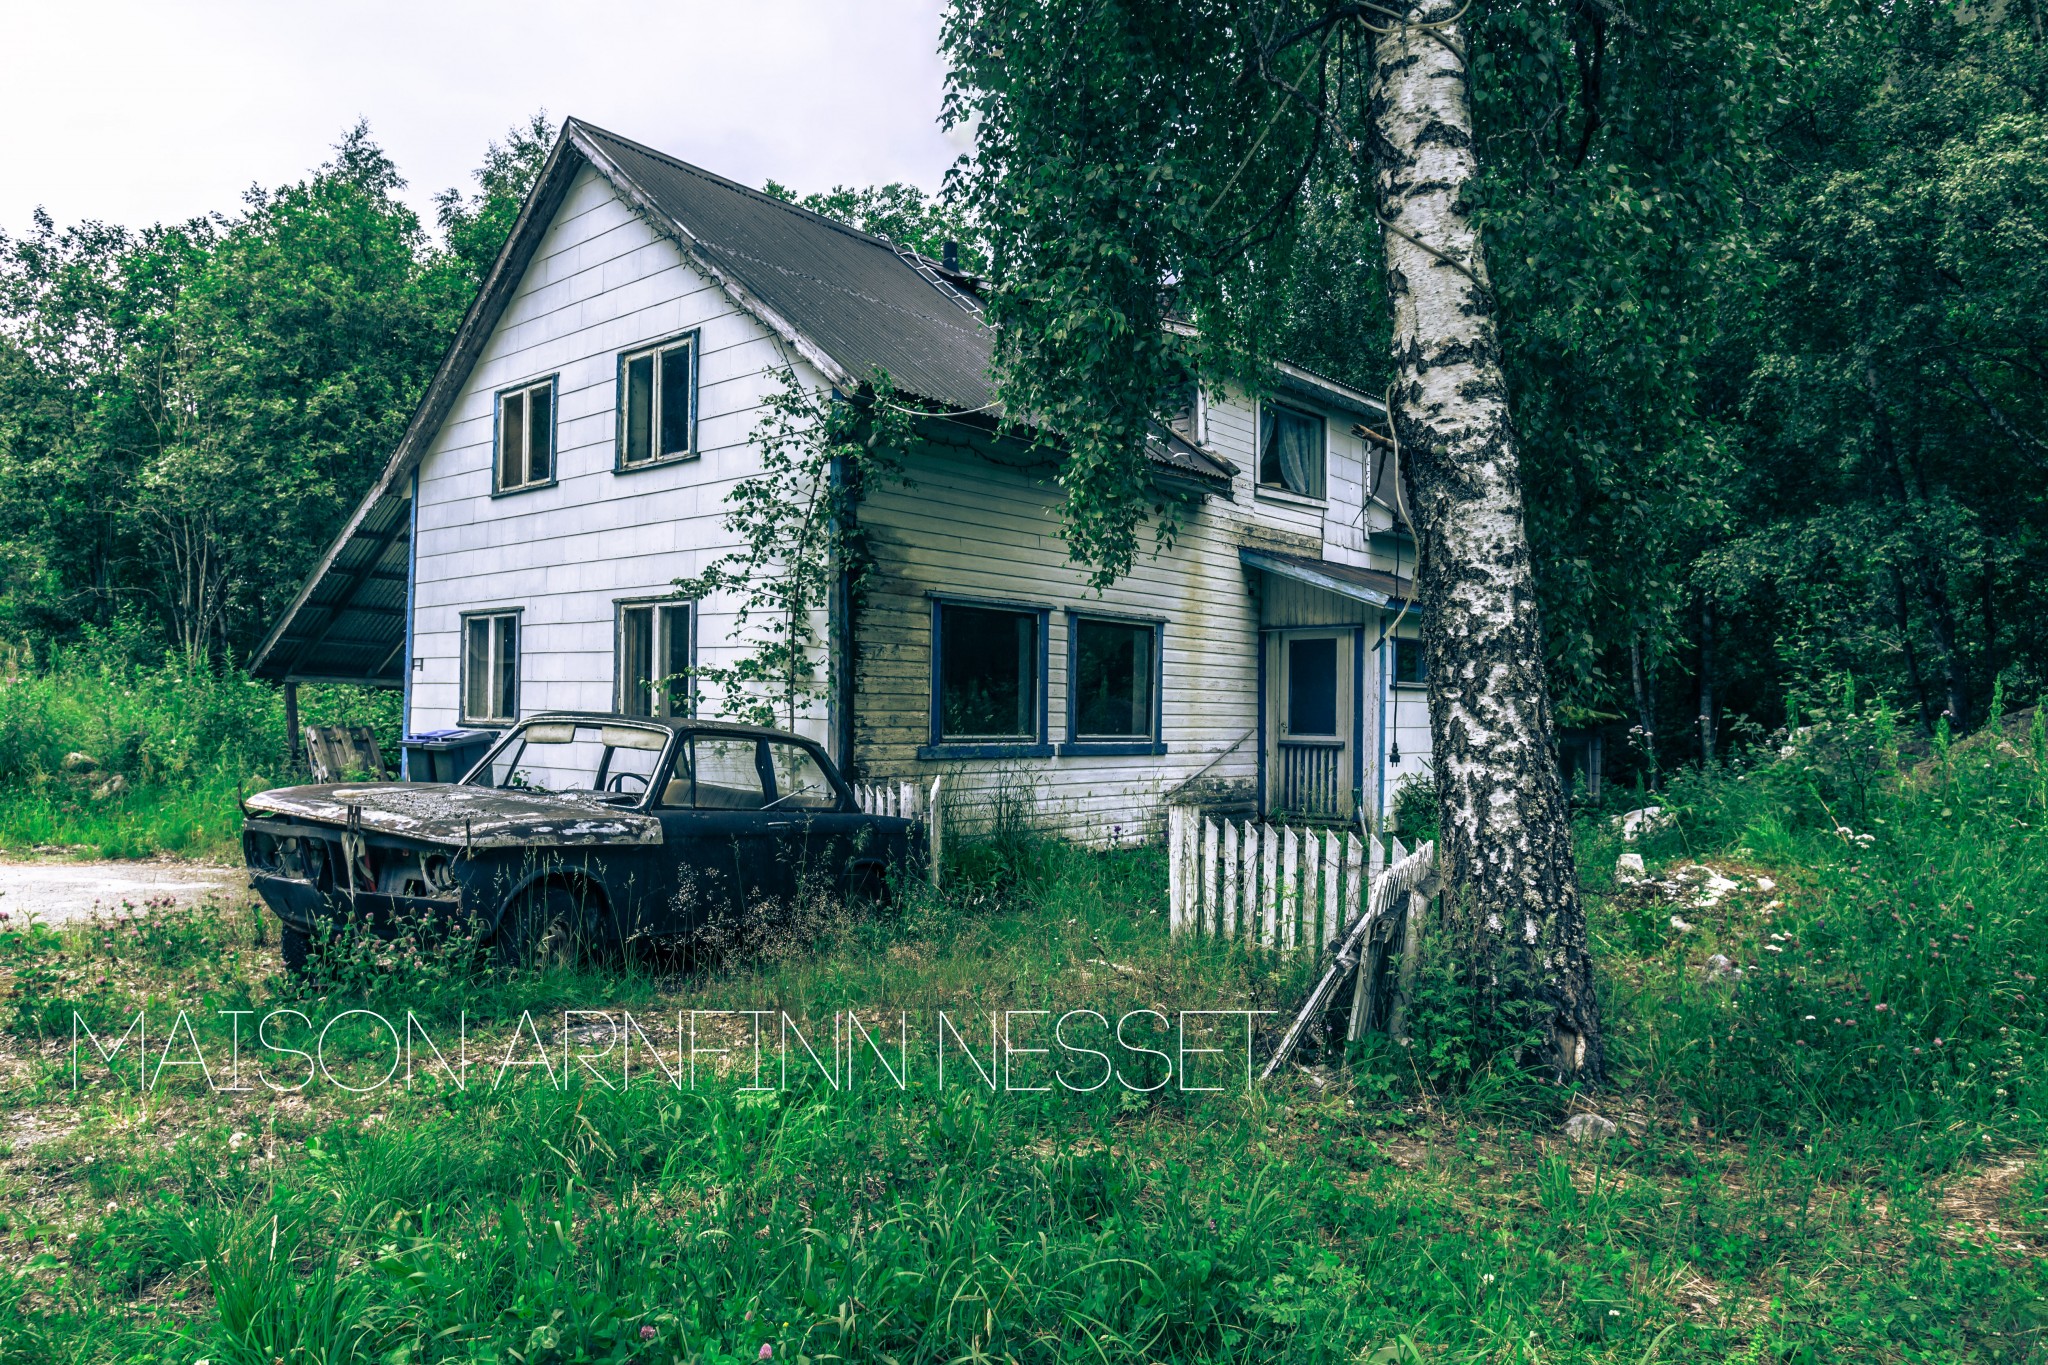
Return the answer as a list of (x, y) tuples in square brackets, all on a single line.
[(716, 829), (816, 831)]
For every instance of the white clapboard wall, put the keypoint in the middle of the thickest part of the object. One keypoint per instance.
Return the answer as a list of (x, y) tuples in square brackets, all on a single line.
[(905, 801), (1285, 888)]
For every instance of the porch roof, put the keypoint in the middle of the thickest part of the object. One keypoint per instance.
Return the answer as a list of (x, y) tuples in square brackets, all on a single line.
[(1371, 586)]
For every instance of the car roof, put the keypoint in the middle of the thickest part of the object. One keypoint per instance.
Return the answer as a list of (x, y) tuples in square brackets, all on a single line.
[(680, 724)]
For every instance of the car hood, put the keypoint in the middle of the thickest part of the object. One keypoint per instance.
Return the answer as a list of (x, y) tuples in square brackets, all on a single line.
[(471, 817)]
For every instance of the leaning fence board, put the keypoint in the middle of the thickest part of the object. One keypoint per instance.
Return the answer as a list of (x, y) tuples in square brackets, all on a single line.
[(1228, 925), (1210, 840)]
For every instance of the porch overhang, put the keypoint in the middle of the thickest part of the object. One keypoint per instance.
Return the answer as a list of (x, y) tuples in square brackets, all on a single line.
[(1370, 586)]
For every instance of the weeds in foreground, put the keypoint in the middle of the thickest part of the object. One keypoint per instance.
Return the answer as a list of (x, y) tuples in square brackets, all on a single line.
[(1781, 1189)]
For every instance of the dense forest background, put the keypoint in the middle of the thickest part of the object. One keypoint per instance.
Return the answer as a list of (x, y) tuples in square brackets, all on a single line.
[(1774, 285)]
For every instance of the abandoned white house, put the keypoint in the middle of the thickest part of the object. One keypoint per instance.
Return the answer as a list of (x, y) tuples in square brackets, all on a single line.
[(571, 459)]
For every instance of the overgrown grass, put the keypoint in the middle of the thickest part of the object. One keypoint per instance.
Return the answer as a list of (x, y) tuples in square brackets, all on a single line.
[(1780, 1189), (185, 742)]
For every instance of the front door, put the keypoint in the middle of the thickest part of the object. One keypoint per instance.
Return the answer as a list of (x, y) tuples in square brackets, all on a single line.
[(1309, 730)]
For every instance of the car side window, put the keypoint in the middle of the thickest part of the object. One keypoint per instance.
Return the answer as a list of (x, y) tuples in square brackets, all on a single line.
[(726, 772), (800, 782)]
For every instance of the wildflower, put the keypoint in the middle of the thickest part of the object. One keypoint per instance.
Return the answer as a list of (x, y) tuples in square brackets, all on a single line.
[(767, 1352), (1809, 1018), (1882, 1008), (647, 1332)]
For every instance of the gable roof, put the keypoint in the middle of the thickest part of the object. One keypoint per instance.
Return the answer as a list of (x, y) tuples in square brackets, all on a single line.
[(854, 305)]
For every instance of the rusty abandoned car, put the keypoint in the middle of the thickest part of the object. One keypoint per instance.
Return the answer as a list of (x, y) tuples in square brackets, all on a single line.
[(575, 831)]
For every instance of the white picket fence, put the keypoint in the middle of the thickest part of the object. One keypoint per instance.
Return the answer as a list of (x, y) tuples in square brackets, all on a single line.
[(1271, 886), (905, 801)]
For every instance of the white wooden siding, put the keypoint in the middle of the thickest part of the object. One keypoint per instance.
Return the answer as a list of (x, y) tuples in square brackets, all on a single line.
[(602, 282)]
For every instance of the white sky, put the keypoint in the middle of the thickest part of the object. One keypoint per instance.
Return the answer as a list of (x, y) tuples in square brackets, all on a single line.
[(156, 111)]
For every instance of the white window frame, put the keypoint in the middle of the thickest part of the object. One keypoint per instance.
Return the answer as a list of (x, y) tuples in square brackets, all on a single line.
[(522, 393), (1280, 490), (688, 342), (665, 610), (493, 664)]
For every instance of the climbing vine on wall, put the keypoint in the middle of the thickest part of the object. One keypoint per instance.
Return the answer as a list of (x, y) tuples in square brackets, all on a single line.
[(798, 527)]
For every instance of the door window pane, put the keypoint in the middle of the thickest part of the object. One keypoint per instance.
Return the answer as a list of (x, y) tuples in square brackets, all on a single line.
[(1312, 687), (988, 674), (800, 783), (1112, 681), (639, 408), (675, 400), (727, 773)]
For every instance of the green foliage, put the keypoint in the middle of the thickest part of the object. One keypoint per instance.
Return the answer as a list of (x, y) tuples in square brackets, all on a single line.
[(798, 524), (903, 213), (1428, 1212), (187, 739), (187, 413)]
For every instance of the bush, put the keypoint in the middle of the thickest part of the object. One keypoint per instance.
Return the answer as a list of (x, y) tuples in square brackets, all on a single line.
[(186, 741)]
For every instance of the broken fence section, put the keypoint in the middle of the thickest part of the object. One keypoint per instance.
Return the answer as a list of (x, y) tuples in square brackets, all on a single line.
[(1270, 886), (902, 800)]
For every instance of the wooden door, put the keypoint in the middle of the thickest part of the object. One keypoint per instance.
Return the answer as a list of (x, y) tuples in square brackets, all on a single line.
[(1309, 723)]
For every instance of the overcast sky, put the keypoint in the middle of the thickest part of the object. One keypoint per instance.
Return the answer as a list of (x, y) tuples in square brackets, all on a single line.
[(156, 111)]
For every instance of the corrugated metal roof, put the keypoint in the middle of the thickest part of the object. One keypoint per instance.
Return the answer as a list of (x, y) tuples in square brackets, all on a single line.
[(1372, 586), (861, 300)]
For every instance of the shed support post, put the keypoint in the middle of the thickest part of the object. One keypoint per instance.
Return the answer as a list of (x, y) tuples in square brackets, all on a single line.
[(291, 723)]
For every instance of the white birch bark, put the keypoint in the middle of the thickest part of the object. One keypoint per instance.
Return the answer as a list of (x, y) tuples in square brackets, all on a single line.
[(1506, 837)]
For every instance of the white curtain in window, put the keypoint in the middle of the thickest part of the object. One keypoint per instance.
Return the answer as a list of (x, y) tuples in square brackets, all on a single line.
[(1300, 456)]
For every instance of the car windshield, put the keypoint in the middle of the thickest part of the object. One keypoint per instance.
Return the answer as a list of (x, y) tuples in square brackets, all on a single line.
[(570, 756)]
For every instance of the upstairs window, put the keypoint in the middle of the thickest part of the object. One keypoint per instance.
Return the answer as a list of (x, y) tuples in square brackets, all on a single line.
[(988, 675), (526, 436), (1114, 681), (1291, 448), (490, 668), (658, 403), (1187, 418), (654, 659)]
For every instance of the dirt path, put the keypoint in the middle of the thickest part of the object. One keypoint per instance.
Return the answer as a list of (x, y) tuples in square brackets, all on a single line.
[(59, 891)]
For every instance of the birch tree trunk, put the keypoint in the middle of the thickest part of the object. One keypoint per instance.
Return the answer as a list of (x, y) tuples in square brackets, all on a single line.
[(1506, 833)]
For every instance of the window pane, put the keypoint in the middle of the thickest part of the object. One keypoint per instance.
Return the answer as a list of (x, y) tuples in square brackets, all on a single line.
[(540, 433), (636, 654), (508, 666), (800, 784), (675, 400), (1112, 680), (1408, 666), (1291, 450), (673, 676), (476, 668), (988, 675), (727, 775), (639, 408), (511, 440), (1312, 687)]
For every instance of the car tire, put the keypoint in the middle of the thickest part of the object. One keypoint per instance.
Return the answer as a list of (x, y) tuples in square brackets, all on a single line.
[(544, 927), (297, 947)]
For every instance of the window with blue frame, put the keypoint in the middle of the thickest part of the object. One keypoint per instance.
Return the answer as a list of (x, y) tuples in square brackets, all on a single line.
[(1409, 668), (1114, 686), (987, 675)]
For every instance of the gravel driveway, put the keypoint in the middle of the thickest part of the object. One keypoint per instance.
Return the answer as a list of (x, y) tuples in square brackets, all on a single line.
[(59, 891)]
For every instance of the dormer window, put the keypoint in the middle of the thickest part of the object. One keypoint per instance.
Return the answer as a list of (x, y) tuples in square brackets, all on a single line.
[(1187, 418), (658, 403), (1291, 450)]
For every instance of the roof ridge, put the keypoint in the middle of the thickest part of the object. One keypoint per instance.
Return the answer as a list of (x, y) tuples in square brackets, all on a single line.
[(691, 168)]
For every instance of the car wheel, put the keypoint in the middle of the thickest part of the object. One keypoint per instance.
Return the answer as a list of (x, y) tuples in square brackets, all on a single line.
[(545, 927), (297, 947)]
